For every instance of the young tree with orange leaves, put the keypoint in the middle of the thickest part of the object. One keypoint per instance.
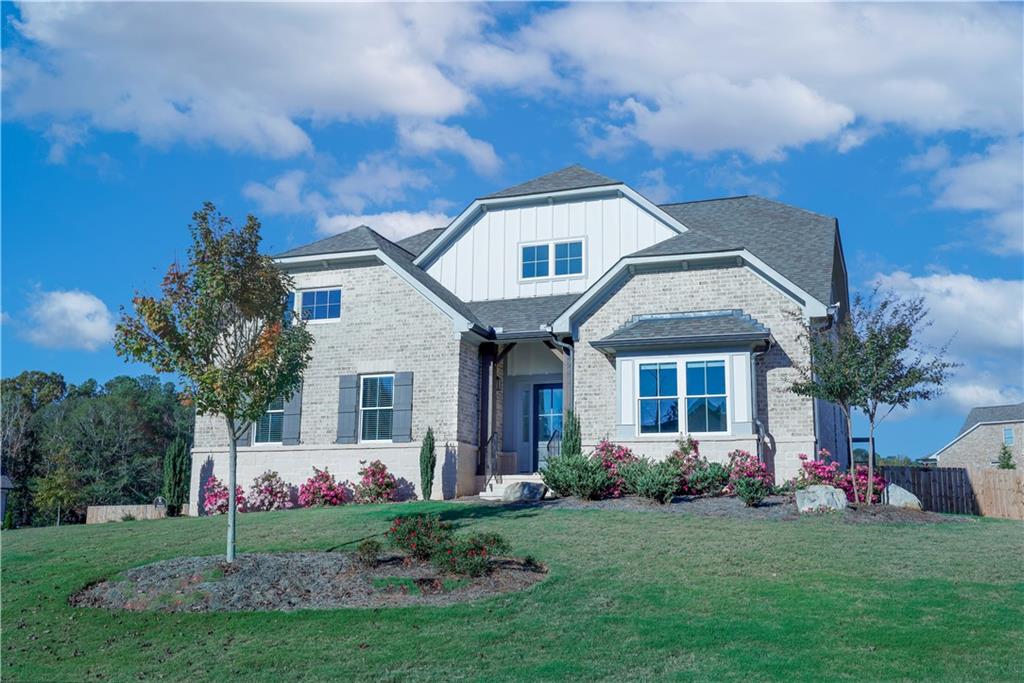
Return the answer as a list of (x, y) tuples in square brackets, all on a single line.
[(222, 326)]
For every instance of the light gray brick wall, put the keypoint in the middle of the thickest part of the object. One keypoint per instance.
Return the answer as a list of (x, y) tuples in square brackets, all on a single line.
[(980, 448), (385, 326), (788, 418)]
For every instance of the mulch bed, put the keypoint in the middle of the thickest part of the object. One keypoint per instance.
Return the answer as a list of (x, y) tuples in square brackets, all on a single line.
[(772, 508), (292, 581)]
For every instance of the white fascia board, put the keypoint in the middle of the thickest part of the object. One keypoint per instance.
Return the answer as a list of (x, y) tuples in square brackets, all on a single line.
[(458, 320), (971, 429), (812, 308), (439, 246)]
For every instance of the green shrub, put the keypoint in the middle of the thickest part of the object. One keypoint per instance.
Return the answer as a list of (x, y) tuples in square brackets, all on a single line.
[(128, 517), (428, 461), (575, 474), (1006, 459), (708, 479), (177, 470), (751, 490), (571, 443), (8, 519), (419, 535), (368, 552), (655, 480), (469, 556)]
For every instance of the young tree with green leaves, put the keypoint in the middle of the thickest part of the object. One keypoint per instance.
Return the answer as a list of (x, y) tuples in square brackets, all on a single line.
[(833, 373), (428, 461), (57, 491), (1006, 459), (221, 326), (895, 369)]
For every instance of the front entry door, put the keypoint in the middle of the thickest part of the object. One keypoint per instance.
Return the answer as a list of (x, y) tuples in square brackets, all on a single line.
[(547, 420)]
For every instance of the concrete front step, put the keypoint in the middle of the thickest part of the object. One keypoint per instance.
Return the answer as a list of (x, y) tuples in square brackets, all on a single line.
[(495, 489)]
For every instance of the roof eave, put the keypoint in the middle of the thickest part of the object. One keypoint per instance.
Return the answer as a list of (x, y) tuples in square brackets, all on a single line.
[(613, 346)]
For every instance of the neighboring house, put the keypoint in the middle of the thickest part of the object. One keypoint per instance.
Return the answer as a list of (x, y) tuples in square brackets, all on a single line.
[(571, 290), (985, 431)]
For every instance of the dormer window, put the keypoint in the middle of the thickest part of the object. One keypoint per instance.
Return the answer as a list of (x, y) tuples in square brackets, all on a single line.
[(552, 259)]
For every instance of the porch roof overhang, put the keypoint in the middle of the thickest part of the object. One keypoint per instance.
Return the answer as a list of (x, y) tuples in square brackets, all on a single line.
[(697, 329)]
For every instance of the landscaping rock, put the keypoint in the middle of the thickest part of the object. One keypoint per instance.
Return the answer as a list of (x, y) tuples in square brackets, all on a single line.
[(899, 497), (820, 497), (524, 492)]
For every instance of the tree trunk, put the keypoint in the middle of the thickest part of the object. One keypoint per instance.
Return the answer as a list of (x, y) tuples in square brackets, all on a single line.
[(232, 475), (871, 461), (58, 514), (849, 452)]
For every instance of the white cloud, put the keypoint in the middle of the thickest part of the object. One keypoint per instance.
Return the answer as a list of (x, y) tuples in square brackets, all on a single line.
[(284, 195), (427, 137), (983, 322), (932, 159), (392, 224), (693, 77), (68, 320), (733, 176), (376, 180), (654, 186)]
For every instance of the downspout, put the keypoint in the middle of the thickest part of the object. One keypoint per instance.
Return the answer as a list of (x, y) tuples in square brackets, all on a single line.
[(833, 313), (758, 425)]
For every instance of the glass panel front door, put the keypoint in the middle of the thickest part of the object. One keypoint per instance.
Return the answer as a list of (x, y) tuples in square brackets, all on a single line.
[(547, 410)]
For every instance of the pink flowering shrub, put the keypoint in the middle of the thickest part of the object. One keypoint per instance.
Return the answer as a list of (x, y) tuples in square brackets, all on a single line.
[(269, 492), (687, 459), (376, 484), (823, 470), (743, 465), (321, 489), (612, 457), (215, 497)]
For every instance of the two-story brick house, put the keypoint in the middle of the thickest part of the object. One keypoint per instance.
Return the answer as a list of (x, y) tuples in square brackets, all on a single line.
[(571, 290)]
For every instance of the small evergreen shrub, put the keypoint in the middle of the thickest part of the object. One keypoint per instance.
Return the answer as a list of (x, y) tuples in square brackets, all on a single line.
[(571, 442), (8, 519), (321, 489), (428, 462), (269, 492), (469, 556), (657, 481), (1006, 459), (419, 535), (576, 475), (376, 484), (127, 517), (708, 479), (751, 490), (368, 552), (177, 467)]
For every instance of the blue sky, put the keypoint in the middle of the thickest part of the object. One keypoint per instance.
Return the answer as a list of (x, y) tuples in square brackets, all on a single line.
[(119, 120)]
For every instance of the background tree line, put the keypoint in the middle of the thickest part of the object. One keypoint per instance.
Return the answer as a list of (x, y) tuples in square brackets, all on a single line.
[(86, 444)]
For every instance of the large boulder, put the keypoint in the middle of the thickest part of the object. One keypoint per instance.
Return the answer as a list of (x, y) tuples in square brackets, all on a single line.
[(524, 492), (820, 497), (897, 496)]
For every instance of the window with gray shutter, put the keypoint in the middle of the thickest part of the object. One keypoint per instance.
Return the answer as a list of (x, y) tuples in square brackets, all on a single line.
[(292, 419), (348, 408), (401, 429)]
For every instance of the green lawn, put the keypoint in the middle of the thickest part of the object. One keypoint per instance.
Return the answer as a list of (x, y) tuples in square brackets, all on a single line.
[(629, 596)]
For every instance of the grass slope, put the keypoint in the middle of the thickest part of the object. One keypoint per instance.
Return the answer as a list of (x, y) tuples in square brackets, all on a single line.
[(629, 596)]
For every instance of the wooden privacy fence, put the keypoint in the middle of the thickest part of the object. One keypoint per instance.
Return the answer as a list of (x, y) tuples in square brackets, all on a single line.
[(97, 514), (964, 490)]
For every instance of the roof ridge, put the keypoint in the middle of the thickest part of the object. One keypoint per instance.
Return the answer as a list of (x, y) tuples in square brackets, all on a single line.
[(712, 199)]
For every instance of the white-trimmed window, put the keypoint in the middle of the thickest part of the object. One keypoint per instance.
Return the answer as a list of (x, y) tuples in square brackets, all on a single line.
[(376, 407), (551, 259), (1008, 436), (659, 398), (268, 428), (706, 397), (321, 304)]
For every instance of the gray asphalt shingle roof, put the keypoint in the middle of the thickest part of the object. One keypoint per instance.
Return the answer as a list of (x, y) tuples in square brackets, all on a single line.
[(1008, 413), (569, 178), (415, 244), (694, 327), (362, 238), (521, 316), (799, 244)]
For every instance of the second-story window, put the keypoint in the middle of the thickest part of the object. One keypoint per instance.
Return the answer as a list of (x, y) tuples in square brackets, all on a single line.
[(568, 258), (321, 304), (535, 261)]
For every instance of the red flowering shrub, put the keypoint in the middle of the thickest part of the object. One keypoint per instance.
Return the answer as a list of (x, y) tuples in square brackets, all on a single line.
[(743, 465), (269, 492), (215, 497), (612, 457), (321, 489), (846, 483), (376, 484), (469, 556), (686, 458), (419, 535)]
